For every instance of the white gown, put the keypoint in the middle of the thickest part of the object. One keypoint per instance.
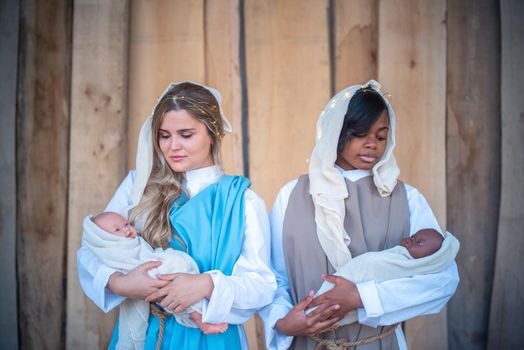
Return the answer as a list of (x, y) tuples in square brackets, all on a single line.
[(235, 298), (385, 303)]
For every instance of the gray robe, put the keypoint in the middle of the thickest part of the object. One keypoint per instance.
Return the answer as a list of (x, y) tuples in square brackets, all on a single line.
[(373, 222)]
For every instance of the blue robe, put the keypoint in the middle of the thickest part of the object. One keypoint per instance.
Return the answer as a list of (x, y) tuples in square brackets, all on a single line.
[(211, 226)]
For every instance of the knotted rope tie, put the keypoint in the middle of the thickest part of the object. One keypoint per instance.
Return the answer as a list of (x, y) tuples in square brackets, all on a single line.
[(343, 344), (161, 315)]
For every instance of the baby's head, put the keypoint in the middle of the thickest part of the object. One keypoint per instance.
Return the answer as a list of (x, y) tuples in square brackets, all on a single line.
[(115, 224), (423, 243)]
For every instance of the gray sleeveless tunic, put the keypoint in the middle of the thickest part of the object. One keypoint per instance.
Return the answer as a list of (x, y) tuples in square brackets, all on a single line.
[(373, 222)]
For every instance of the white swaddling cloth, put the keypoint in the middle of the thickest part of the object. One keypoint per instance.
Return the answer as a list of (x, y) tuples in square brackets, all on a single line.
[(124, 254), (390, 264)]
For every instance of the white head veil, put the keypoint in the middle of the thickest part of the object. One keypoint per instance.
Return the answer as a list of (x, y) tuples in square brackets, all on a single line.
[(328, 188), (144, 154)]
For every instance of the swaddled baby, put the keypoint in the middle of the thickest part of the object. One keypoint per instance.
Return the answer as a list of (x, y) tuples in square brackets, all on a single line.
[(427, 251), (116, 242)]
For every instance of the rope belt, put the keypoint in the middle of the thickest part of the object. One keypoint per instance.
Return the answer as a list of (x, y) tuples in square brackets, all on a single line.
[(343, 344), (161, 315)]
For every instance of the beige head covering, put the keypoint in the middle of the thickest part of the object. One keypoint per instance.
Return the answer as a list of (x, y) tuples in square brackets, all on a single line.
[(144, 154), (327, 186)]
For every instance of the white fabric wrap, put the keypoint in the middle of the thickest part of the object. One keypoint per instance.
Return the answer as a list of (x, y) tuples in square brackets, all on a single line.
[(144, 154), (144, 164), (327, 186), (124, 254), (390, 264)]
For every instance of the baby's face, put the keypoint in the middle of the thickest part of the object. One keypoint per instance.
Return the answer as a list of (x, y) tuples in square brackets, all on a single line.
[(423, 243), (116, 224)]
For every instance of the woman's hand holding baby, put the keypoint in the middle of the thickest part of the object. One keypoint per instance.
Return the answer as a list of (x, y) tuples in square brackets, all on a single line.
[(182, 290), (344, 293), (297, 323), (136, 284)]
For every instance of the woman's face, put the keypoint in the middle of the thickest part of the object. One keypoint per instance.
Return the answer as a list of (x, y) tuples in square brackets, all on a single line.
[(365, 150), (184, 142)]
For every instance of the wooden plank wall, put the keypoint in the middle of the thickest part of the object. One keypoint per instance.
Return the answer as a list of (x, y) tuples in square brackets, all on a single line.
[(355, 42), (97, 145), (473, 162), (42, 166), (412, 68), (507, 307), (288, 84), (276, 64), (166, 43), (223, 67), (8, 81)]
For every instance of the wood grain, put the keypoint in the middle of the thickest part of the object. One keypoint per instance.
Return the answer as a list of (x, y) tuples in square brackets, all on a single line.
[(473, 162), (9, 20), (166, 43), (42, 165), (355, 42), (506, 318), (97, 146), (222, 65), (287, 57), (412, 68)]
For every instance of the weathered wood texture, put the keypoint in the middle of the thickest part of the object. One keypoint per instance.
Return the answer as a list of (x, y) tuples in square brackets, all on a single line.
[(222, 39), (42, 166), (166, 43), (288, 84), (355, 38), (97, 145), (473, 162), (8, 80), (412, 68), (222, 53), (507, 307), (469, 164), (42, 158)]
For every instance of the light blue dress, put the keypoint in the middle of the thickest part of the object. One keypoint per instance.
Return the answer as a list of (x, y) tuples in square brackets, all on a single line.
[(211, 226)]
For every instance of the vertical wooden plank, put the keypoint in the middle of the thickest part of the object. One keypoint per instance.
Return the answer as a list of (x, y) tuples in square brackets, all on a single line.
[(412, 68), (223, 72), (288, 79), (356, 42), (166, 43), (9, 12), (507, 308), (473, 162), (222, 36), (42, 157), (97, 145)]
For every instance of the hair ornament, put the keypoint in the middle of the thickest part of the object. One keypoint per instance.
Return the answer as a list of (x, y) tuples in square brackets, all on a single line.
[(373, 85)]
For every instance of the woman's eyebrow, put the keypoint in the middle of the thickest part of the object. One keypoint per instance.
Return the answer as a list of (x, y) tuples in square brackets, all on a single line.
[(384, 128), (179, 130)]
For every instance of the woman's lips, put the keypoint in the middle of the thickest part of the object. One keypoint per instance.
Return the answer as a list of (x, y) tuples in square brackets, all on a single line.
[(367, 158), (177, 158)]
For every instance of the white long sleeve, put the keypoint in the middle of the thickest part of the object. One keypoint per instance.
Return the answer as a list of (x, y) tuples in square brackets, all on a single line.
[(94, 275), (235, 298), (385, 303)]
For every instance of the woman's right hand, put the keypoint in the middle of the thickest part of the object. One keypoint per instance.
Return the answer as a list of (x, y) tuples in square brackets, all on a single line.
[(297, 323), (136, 284)]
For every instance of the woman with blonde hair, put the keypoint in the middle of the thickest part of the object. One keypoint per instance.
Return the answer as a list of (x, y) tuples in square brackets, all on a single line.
[(179, 197)]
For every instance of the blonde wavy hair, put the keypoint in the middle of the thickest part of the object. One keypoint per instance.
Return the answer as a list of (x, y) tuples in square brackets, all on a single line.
[(164, 185)]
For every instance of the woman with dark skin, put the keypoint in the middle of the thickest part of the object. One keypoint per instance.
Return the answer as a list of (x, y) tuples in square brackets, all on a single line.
[(350, 202)]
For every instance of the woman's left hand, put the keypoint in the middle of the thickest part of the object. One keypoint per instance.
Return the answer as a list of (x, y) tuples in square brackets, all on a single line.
[(183, 291), (344, 293)]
